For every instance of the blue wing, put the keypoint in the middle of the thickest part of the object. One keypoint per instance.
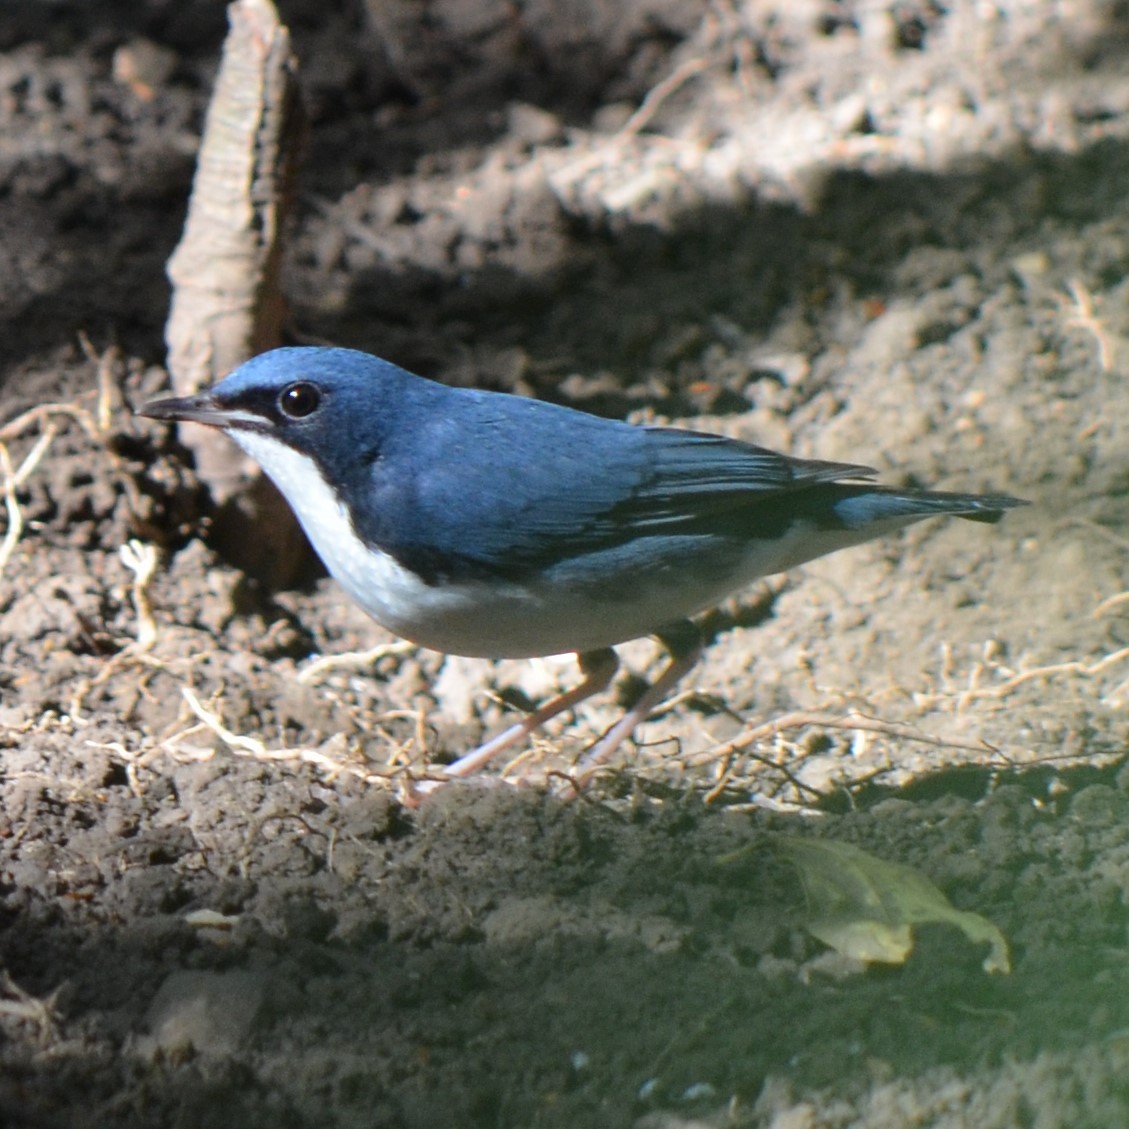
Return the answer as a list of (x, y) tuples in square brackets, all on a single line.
[(519, 484)]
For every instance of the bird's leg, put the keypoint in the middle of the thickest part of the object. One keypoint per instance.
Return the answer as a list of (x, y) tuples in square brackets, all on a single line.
[(598, 668), (684, 642)]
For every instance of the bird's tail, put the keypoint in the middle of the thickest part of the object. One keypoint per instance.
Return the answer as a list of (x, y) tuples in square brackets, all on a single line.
[(860, 506)]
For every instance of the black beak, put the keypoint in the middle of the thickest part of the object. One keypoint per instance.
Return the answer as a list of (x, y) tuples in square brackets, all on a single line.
[(201, 408)]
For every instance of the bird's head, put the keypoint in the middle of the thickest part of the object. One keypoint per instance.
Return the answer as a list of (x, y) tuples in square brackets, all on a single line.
[(308, 398)]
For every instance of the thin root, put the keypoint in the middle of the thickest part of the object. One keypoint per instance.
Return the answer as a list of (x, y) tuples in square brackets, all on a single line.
[(141, 560), (352, 660)]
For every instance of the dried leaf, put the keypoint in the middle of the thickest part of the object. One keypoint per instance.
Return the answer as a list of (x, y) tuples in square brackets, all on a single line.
[(865, 907)]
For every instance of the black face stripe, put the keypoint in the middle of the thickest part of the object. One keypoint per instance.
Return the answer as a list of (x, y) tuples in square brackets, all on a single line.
[(263, 404)]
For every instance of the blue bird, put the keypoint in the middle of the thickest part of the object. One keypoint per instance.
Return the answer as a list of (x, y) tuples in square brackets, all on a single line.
[(480, 523)]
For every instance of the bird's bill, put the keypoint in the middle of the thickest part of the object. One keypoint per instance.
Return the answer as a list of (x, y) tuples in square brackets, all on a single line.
[(202, 408)]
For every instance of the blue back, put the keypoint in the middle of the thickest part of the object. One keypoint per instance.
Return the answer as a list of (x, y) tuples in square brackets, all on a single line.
[(461, 483)]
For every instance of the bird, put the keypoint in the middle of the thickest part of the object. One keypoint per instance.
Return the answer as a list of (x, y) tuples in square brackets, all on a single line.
[(488, 524)]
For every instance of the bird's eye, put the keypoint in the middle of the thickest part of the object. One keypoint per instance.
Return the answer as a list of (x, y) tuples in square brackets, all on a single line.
[(300, 399)]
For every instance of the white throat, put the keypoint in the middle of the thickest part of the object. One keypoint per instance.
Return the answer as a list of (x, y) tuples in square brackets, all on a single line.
[(388, 592)]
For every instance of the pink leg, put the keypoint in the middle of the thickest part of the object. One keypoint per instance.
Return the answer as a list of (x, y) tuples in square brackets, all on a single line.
[(598, 668), (685, 652)]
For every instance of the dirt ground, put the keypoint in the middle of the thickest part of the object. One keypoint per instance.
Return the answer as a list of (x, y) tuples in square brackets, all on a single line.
[(894, 233)]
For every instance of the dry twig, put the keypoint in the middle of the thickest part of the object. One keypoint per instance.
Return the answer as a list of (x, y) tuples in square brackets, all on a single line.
[(13, 480), (23, 1005), (1079, 304)]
